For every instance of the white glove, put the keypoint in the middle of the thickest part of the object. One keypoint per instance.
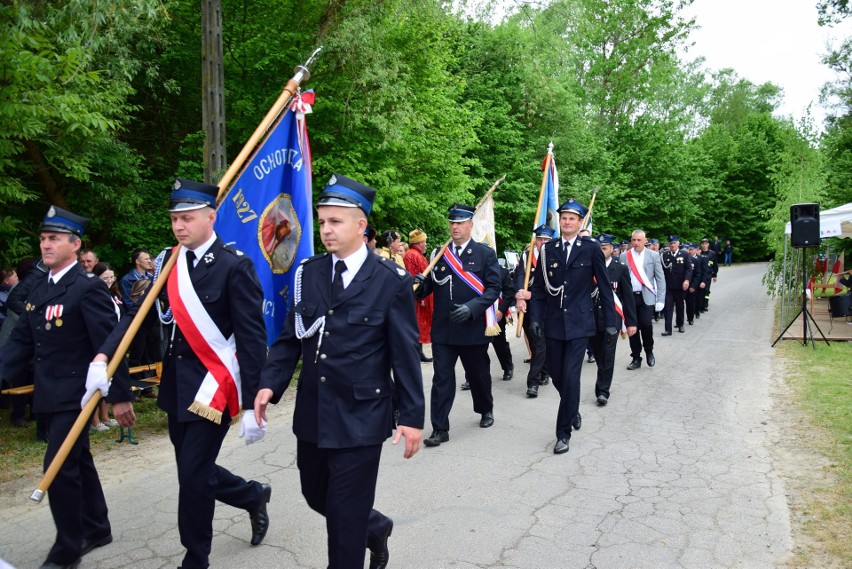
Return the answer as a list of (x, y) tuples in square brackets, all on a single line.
[(249, 429), (659, 307), (96, 380)]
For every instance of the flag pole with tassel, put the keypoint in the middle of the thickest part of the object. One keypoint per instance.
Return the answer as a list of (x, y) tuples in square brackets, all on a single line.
[(301, 74)]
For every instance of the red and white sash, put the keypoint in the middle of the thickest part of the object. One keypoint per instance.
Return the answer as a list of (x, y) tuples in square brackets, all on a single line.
[(640, 275), (492, 328), (220, 388)]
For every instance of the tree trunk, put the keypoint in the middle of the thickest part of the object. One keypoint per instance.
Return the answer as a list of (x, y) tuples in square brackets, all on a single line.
[(212, 90)]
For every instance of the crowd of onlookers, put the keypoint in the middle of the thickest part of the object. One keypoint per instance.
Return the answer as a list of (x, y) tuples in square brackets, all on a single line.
[(146, 347)]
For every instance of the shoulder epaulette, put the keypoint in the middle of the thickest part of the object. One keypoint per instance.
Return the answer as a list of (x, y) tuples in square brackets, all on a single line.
[(395, 269), (314, 258), (233, 250)]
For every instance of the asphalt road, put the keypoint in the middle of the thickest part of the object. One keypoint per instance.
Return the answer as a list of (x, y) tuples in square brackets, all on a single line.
[(674, 472)]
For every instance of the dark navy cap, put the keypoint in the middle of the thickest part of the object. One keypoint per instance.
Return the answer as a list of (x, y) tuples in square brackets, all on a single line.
[(460, 212), (62, 221), (543, 231), (673, 238), (605, 239), (625, 242), (705, 240), (370, 233), (653, 241), (346, 192), (572, 206), (188, 195)]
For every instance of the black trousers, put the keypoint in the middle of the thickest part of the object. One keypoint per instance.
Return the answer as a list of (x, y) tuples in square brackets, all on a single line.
[(477, 370), (501, 347), (340, 484), (565, 359), (202, 482), (675, 298), (705, 297), (644, 336), (76, 498), (538, 361), (604, 347), (692, 307)]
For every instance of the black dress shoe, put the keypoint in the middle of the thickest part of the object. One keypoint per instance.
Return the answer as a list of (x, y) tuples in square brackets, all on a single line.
[(20, 423), (650, 359), (379, 554), (561, 446), (508, 374), (578, 422), (259, 517), (680, 329), (465, 386), (690, 322), (666, 333), (698, 314), (590, 359), (527, 360), (51, 565), (635, 364), (544, 379), (487, 419), (90, 544), (602, 400), (532, 391), (436, 438), (425, 359)]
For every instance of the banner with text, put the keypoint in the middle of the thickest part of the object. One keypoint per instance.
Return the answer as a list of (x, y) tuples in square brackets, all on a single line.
[(268, 215)]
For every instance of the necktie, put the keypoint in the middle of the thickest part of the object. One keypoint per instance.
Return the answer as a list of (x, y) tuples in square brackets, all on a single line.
[(458, 251), (190, 260), (337, 281), (50, 282), (567, 251)]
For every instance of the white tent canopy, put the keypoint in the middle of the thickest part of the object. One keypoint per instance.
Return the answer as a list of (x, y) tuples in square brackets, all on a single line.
[(835, 222)]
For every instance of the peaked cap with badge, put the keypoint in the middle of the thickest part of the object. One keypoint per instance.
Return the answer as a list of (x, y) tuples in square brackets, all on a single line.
[(62, 221)]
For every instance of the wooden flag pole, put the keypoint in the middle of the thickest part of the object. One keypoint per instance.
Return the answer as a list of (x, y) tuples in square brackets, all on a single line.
[(588, 217), (519, 327), (301, 74), (443, 248)]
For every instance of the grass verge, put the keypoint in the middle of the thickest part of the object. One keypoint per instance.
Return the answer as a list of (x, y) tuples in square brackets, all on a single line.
[(22, 455), (820, 382)]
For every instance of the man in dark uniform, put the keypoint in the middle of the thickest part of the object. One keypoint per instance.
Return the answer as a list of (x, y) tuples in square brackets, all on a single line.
[(501, 344), (216, 300), (538, 374), (466, 282), (352, 323), (713, 263), (66, 317), (562, 309), (603, 343), (696, 284), (677, 268)]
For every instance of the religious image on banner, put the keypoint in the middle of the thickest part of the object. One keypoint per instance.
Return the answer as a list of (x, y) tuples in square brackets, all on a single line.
[(280, 233), (268, 211), (483, 224)]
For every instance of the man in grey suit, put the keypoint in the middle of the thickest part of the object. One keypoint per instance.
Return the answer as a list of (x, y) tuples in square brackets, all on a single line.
[(649, 292)]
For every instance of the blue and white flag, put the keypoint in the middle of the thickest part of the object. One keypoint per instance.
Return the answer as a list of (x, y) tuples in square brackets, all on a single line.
[(550, 199), (268, 214)]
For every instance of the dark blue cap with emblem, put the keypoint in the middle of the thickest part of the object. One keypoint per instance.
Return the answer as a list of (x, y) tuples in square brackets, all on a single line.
[(572, 206), (673, 238), (653, 241), (346, 192), (544, 231), (605, 239), (62, 221), (188, 195), (460, 212)]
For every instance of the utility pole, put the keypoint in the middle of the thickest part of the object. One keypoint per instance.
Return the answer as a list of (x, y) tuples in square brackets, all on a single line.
[(212, 90)]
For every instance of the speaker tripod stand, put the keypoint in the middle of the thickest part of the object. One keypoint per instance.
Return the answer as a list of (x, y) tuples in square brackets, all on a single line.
[(807, 317)]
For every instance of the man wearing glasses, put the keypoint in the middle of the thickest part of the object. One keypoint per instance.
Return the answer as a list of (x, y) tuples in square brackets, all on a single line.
[(649, 292)]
